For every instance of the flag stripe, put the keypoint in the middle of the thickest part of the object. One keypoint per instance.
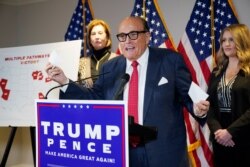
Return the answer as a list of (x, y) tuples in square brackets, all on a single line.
[(207, 151), (188, 62), (192, 138), (199, 70)]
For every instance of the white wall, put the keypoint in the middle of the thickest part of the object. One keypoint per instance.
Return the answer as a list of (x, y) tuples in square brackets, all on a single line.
[(8, 19), (47, 21)]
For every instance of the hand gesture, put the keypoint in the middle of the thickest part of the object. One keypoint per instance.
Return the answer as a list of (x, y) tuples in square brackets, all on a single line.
[(201, 108), (223, 137), (56, 74)]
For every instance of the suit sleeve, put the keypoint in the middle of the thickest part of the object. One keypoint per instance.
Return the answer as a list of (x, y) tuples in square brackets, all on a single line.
[(241, 124), (213, 121), (78, 92)]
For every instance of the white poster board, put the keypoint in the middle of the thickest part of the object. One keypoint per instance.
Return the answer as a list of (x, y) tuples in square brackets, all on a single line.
[(23, 78)]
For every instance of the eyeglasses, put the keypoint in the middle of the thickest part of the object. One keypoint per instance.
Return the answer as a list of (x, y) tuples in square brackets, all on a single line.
[(133, 35)]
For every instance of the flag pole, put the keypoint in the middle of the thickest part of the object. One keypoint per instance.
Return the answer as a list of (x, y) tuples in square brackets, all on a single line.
[(84, 29), (164, 24), (144, 9), (233, 8), (213, 35)]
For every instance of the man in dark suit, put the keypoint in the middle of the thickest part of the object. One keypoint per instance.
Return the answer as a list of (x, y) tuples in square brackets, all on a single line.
[(164, 82)]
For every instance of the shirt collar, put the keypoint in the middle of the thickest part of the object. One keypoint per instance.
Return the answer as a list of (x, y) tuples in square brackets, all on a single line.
[(143, 60)]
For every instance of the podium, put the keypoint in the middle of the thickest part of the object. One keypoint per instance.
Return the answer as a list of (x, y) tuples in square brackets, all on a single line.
[(140, 135), (86, 133), (82, 133)]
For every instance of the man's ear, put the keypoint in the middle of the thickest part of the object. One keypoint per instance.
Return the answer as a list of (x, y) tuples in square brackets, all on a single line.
[(148, 37)]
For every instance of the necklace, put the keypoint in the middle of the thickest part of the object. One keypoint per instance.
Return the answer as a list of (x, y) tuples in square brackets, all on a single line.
[(230, 74)]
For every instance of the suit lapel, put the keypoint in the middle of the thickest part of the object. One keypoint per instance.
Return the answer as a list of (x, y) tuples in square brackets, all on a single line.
[(120, 71), (154, 64)]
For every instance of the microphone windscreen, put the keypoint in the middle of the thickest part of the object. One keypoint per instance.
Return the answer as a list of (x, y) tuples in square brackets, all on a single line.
[(126, 77)]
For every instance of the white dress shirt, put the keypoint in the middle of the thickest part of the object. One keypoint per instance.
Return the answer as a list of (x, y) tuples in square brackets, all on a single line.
[(142, 71)]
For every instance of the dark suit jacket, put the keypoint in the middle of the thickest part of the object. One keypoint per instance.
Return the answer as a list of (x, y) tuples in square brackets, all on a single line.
[(162, 104), (240, 99)]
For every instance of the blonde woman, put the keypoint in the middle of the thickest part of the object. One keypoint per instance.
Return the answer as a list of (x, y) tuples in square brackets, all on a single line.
[(229, 90)]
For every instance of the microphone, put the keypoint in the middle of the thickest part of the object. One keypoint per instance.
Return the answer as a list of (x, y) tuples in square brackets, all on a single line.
[(93, 76), (124, 80)]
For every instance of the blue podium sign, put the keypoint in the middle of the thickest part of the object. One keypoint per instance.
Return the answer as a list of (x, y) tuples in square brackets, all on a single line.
[(82, 133)]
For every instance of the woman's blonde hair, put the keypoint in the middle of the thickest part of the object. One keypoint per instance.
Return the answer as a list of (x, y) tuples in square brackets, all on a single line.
[(94, 23), (241, 38)]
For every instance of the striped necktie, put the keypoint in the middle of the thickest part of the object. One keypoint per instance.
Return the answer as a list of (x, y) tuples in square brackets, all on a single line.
[(133, 93)]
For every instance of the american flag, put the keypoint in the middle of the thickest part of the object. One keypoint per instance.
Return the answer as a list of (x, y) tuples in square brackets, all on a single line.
[(198, 50), (81, 17), (150, 10)]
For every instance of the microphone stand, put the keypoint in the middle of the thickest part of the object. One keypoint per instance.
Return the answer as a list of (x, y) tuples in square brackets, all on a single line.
[(139, 135), (93, 76)]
